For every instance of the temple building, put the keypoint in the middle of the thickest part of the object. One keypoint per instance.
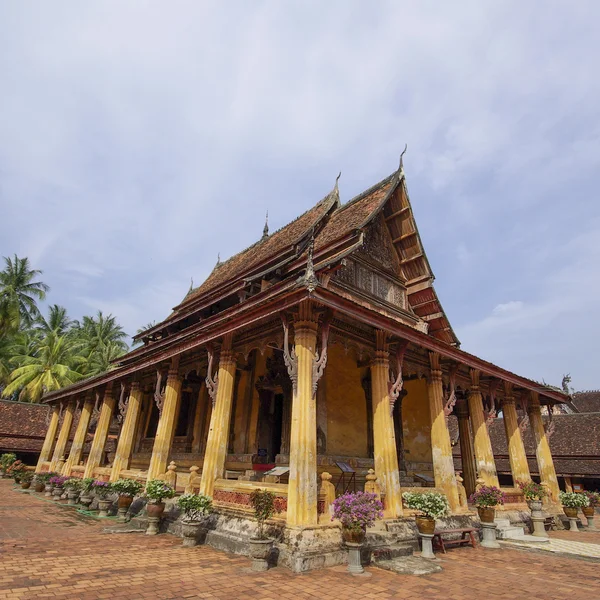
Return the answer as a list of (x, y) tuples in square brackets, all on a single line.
[(322, 349)]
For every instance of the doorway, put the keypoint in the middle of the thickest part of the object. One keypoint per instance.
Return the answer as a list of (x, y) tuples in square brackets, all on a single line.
[(270, 425)]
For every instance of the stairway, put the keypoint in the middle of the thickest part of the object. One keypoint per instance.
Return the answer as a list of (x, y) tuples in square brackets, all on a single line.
[(506, 531)]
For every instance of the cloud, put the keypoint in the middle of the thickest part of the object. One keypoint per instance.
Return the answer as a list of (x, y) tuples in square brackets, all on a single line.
[(139, 139)]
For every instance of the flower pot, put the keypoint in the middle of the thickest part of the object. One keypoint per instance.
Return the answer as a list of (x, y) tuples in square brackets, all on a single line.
[(259, 553), (49, 489), (72, 497), (39, 486), (123, 504), (588, 511), (535, 505), (425, 525), (25, 485), (104, 506), (486, 514), (190, 531), (354, 536), (154, 511), (570, 512), (85, 501), (57, 492)]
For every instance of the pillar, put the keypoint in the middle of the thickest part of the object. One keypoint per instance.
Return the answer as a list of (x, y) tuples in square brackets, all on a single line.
[(218, 434), (542, 448), (467, 453), (384, 439), (516, 450), (484, 454), (101, 435), (302, 488), (49, 439), (79, 437), (165, 432), (199, 415), (441, 448), (63, 436), (126, 439)]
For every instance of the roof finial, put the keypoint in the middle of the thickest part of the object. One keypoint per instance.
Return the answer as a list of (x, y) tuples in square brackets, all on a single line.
[(309, 279), (191, 285), (401, 168), (337, 180), (266, 228), (218, 259)]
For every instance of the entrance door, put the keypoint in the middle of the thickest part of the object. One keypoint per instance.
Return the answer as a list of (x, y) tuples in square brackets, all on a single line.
[(269, 426)]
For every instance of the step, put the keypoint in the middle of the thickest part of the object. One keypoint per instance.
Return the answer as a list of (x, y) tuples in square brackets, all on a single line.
[(409, 565), (502, 523), (510, 533), (393, 551)]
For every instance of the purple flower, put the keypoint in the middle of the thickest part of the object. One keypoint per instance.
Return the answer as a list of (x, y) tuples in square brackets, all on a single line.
[(357, 510)]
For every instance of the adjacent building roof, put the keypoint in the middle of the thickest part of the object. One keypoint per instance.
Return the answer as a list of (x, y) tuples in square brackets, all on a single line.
[(22, 426), (586, 401)]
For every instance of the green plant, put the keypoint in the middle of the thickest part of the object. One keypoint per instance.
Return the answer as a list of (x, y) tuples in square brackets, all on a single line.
[(357, 510), (26, 477), (16, 470), (101, 488), (573, 499), (127, 487), (74, 484), (431, 504), (594, 498), (194, 506), (533, 491), (45, 477), (487, 496), (157, 490), (263, 503), (87, 484), (6, 460)]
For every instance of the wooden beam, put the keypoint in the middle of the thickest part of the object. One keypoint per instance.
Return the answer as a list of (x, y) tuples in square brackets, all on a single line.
[(418, 284), (398, 213), (420, 255), (404, 236), (414, 306), (432, 317)]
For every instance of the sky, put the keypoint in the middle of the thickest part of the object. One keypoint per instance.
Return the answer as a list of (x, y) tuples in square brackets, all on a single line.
[(139, 140)]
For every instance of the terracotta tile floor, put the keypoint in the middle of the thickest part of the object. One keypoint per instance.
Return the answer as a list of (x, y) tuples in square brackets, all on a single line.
[(47, 551)]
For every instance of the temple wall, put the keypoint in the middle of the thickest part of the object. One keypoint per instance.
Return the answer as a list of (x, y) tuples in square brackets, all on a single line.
[(346, 405), (260, 369), (416, 422)]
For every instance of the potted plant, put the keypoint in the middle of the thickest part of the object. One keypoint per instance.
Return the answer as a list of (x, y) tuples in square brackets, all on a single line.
[(594, 498), (85, 497), (572, 502), (101, 490), (486, 498), (356, 511), (195, 508), (57, 482), (431, 506), (156, 491), (39, 482), (26, 479), (263, 503), (73, 487), (49, 487), (6, 460), (127, 490), (534, 494), (16, 470)]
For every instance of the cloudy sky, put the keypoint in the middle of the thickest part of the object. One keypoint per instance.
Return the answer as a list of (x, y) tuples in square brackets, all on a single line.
[(140, 139)]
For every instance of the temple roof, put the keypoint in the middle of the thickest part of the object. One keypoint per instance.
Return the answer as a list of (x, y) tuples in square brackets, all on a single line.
[(22, 426)]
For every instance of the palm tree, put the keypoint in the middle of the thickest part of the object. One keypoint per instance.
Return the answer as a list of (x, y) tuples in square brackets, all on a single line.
[(49, 367), (100, 330), (57, 321), (100, 360), (18, 293)]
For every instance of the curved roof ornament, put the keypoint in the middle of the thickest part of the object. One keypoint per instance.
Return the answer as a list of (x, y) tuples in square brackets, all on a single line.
[(265, 234), (401, 166)]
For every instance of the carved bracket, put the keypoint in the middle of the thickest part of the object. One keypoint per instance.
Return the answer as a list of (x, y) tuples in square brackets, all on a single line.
[(159, 395), (492, 409), (96, 410), (320, 361), (395, 385), (289, 358), (212, 383), (451, 400), (123, 403)]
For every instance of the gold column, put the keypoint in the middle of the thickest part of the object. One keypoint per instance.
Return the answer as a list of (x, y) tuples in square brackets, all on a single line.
[(467, 454), (49, 439), (542, 448), (63, 436), (79, 437), (384, 438), (101, 435), (302, 488), (218, 434), (201, 408), (483, 446), (166, 423), (441, 448), (516, 450), (125, 445)]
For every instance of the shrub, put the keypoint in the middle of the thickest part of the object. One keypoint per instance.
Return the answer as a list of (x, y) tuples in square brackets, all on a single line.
[(431, 504), (263, 503), (573, 499), (7, 459), (194, 506), (101, 488), (487, 497), (16, 470), (533, 491), (357, 510), (157, 490), (127, 487)]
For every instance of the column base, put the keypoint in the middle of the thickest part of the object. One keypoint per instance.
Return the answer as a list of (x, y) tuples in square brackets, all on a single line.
[(354, 562), (573, 524), (426, 545), (538, 527), (152, 525), (590, 524), (489, 536)]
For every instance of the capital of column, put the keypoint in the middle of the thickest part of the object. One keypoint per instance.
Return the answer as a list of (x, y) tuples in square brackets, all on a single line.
[(135, 385), (435, 376), (461, 409), (382, 359), (475, 375), (508, 401)]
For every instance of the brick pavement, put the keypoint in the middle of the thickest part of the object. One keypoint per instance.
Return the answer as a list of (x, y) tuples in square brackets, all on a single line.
[(47, 551)]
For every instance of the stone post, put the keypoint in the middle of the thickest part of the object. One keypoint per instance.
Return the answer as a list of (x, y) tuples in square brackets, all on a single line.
[(516, 449), (49, 439), (79, 437), (101, 435), (441, 448), (327, 493), (467, 453), (542, 448), (63, 436), (125, 444), (484, 454), (302, 488), (384, 439), (218, 434), (199, 413), (166, 423)]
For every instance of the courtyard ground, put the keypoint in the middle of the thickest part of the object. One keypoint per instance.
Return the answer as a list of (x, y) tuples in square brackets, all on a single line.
[(50, 551)]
